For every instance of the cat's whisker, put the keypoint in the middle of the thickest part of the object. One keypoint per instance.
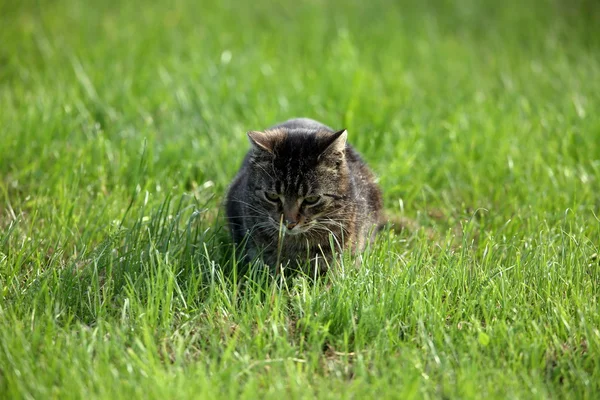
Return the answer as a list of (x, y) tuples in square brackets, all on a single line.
[(248, 217), (336, 220), (249, 205), (340, 211), (335, 237), (337, 224), (343, 231)]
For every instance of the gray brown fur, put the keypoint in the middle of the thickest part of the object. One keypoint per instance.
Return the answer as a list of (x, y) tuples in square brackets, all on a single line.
[(298, 160)]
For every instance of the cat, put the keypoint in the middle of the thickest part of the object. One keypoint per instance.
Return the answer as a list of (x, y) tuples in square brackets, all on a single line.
[(302, 194)]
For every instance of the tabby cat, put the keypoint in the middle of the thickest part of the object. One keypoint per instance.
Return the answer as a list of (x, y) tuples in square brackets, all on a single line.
[(302, 193)]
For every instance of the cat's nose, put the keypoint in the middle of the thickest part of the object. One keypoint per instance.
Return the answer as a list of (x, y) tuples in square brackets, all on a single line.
[(290, 224), (291, 215)]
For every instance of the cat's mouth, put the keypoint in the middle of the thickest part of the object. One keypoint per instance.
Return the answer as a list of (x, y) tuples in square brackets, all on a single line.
[(298, 230), (295, 231)]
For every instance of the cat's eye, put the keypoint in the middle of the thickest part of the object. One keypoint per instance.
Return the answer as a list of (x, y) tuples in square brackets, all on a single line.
[(272, 196), (311, 200)]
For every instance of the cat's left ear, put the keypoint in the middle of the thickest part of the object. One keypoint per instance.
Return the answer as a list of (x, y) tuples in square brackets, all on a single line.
[(262, 140), (335, 142)]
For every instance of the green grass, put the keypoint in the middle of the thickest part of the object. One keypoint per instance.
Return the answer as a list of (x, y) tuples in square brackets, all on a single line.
[(122, 123)]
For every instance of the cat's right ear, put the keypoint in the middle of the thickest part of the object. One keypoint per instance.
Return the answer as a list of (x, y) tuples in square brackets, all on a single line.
[(335, 141), (261, 140)]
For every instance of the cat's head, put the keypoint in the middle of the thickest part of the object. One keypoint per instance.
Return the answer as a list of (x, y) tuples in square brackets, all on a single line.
[(298, 180)]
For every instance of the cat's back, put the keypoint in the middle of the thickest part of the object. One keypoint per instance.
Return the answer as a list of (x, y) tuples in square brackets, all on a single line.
[(368, 193), (302, 124)]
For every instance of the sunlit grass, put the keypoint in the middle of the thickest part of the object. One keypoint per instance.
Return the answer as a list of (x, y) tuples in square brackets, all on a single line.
[(122, 123)]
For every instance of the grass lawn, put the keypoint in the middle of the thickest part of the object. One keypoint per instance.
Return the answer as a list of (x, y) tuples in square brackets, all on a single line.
[(123, 122)]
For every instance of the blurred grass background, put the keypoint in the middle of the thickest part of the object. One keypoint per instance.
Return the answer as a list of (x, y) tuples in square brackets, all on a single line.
[(122, 123)]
